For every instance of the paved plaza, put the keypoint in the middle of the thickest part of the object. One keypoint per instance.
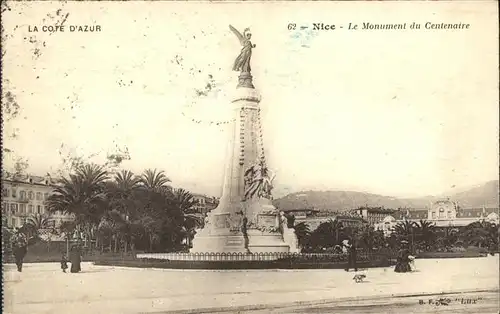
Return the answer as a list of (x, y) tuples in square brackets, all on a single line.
[(43, 288)]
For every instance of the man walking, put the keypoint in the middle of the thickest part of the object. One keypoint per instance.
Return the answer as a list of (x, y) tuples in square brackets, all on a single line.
[(351, 251), (19, 248)]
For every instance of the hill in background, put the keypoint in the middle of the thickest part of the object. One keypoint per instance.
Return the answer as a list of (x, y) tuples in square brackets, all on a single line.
[(485, 194)]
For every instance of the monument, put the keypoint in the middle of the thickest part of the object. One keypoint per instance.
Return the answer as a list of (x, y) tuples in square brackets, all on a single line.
[(245, 220)]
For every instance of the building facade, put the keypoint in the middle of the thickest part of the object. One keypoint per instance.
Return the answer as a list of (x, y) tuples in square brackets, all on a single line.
[(313, 217), (26, 196), (204, 203), (374, 215), (442, 214)]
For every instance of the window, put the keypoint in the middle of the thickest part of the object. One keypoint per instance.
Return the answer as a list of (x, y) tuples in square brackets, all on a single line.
[(30, 195), (433, 215), (45, 196), (39, 209), (22, 208), (14, 193), (22, 195), (4, 208), (13, 208), (38, 196), (13, 222), (30, 209), (5, 192), (449, 214)]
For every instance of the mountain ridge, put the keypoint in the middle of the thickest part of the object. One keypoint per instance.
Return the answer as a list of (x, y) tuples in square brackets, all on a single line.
[(485, 194)]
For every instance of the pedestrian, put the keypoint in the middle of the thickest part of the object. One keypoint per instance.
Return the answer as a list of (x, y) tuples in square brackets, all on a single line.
[(64, 262), (19, 248), (403, 259), (351, 260), (75, 257)]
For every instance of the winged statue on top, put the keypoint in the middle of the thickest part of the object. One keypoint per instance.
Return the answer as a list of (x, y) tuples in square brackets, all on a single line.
[(242, 62)]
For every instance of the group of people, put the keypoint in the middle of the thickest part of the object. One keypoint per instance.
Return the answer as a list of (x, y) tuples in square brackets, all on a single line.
[(404, 259), (19, 243)]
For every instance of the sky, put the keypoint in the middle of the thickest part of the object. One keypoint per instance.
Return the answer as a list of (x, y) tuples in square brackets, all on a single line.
[(401, 113)]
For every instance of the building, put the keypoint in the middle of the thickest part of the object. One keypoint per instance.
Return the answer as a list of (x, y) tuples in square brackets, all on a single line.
[(310, 216), (204, 203), (443, 214), (314, 217), (350, 220), (26, 196), (374, 215)]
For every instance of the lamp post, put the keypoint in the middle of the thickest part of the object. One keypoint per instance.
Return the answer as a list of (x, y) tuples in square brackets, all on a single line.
[(67, 245), (412, 240)]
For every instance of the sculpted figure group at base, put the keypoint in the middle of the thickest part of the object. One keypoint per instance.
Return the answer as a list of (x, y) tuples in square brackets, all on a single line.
[(258, 181)]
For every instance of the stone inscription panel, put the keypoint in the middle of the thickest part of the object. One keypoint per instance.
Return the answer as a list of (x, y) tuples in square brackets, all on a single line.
[(232, 242), (221, 221), (267, 220)]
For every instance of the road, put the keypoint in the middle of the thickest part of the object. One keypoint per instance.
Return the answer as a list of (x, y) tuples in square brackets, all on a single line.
[(483, 302), (44, 288)]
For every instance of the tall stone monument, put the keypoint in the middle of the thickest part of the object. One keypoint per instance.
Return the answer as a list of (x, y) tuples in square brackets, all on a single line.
[(245, 219)]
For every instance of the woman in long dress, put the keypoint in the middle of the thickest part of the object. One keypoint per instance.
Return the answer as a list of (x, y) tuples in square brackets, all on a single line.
[(403, 259), (75, 259)]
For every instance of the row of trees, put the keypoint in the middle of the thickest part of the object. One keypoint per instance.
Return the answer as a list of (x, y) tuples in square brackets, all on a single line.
[(422, 235), (122, 211)]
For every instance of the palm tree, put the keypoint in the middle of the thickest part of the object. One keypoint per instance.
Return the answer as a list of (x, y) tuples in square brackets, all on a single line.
[(83, 195), (370, 238), (191, 220), (39, 224), (155, 180), (92, 175), (302, 232), (126, 182), (404, 230), (481, 234), (425, 232), (122, 191), (328, 234)]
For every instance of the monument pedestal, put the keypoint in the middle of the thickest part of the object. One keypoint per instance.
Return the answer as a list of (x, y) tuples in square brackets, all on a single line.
[(220, 234)]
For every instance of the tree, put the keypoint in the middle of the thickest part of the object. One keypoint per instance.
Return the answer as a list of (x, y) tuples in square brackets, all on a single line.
[(482, 234), (154, 180), (327, 235), (303, 233), (369, 238), (38, 225), (191, 220), (404, 230), (425, 233), (67, 229), (122, 192), (83, 195)]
